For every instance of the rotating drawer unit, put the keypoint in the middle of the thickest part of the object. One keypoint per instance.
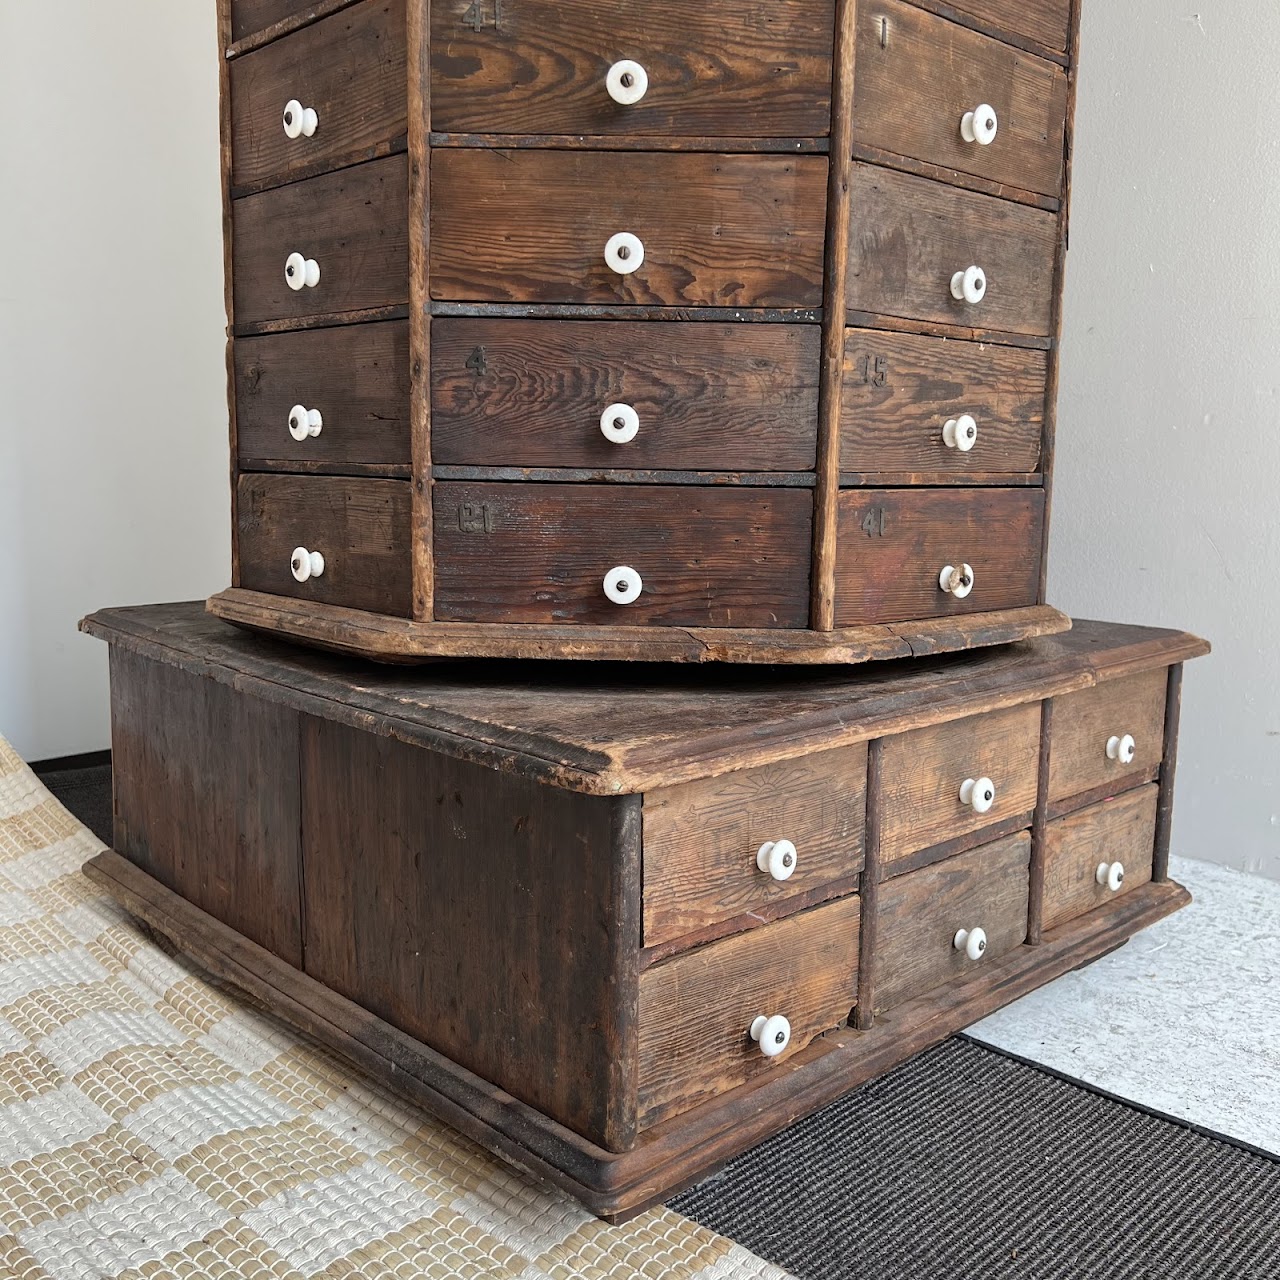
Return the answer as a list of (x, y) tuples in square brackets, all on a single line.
[(644, 330)]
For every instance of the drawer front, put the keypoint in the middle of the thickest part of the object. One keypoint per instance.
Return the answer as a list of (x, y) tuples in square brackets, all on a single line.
[(920, 915), (924, 772), (917, 77), (696, 1011), (541, 553), (1085, 723), (706, 397), (359, 527), (356, 377), (702, 841), (901, 391), (894, 544), (1047, 22), (1083, 852), (713, 231), (248, 17), (910, 236), (719, 68), (352, 224)]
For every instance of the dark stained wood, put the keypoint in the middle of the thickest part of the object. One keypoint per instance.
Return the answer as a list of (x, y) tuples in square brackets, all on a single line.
[(932, 329), (622, 311), (322, 320), (224, 20), (1168, 773), (1045, 21), (872, 875), (563, 475), (1039, 827), (954, 177), (255, 22), (720, 145), (520, 226)]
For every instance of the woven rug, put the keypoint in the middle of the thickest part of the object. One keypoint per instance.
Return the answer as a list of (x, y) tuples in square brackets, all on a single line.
[(153, 1125)]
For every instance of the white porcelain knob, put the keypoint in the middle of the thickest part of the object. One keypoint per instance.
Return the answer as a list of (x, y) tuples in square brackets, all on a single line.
[(300, 272), (300, 121), (778, 858), (969, 285), (1111, 875), (979, 794), (961, 433), (306, 564), (624, 253), (620, 423), (627, 82), (623, 585), (957, 580), (305, 423), (973, 942), (979, 125), (1122, 749), (771, 1034)]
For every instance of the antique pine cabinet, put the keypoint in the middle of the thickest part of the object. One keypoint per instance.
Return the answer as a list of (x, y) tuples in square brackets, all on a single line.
[(644, 329)]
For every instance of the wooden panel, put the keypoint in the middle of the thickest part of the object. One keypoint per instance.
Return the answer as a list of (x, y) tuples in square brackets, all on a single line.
[(718, 68), (492, 918), (1085, 721), (900, 390), (540, 553), (248, 17), (350, 69), (360, 527), (353, 223), (722, 231), (924, 770), (894, 544), (921, 913), (696, 1010), (1121, 831), (917, 76), (356, 377), (911, 235), (1048, 22), (711, 397), (206, 796), (701, 839)]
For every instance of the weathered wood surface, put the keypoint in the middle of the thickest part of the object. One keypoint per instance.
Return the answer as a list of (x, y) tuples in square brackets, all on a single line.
[(255, 17), (1047, 22), (1168, 774)]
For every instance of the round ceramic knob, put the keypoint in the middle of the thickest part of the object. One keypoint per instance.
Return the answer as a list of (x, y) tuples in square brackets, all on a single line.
[(624, 253), (300, 121), (627, 82), (957, 580), (1122, 749), (969, 285), (961, 433), (306, 564), (979, 125), (979, 794), (1110, 875), (304, 423), (620, 423), (778, 858), (973, 942), (623, 585), (300, 272), (771, 1034)]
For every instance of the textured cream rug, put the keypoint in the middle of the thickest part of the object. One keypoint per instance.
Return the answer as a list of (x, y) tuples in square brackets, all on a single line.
[(155, 1125)]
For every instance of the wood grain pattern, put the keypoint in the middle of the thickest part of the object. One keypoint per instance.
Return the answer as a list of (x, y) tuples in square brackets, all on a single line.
[(701, 839), (1045, 21), (224, 20), (1168, 774), (696, 1010), (520, 226), (1039, 827), (872, 876), (248, 17), (717, 397)]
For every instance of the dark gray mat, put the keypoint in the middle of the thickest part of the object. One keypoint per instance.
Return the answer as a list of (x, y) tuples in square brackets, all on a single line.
[(86, 793)]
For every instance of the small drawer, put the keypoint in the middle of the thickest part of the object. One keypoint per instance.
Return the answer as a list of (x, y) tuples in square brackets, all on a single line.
[(925, 796), (920, 945), (1108, 736), (325, 398), (684, 397), (1046, 22), (938, 92), (327, 95), (1094, 856), (936, 410), (622, 555), (913, 242), (334, 244), (697, 1011), (609, 226), (896, 544), (723, 847), (249, 17), (334, 541), (719, 68)]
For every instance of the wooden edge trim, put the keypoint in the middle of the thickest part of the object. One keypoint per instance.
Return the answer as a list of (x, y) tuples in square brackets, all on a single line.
[(330, 164), (287, 466), (1168, 774), (286, 26), (623, 311), (944, 10), (940, 480), (918, 859), (591, 475), (955, 178), (632, 142), (328, 320), (228, 277), (623, 981), (869, 926), (1039, 829), (934, 329), (1067, 805)]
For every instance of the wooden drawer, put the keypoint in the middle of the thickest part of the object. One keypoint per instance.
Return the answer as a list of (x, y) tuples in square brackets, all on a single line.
[(350, 69), (701, 840), (696, 1010), (360, 527), (900, 391), (540, 553), (917, 76), (709, 397), (923, 772), (354, 224), (718, 68), (1047, 22), (717, 231), (911, 235), (1076, 849), (355, 376), (921, 913), (894, 544), (249, 17), (1084, 724)]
